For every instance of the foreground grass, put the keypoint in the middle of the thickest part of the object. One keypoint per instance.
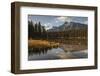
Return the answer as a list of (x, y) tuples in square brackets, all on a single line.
[(41, 44)]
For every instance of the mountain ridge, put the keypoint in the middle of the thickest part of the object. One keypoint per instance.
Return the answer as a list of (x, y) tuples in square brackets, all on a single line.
[(69, 26)]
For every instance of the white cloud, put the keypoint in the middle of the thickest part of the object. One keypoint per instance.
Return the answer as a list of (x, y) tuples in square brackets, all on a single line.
[(56, 21), (63, 19), (48, 26), (85, 22), (48, 23)]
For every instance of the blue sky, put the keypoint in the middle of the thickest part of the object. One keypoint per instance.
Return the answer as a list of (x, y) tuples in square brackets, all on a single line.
[(50, 21)]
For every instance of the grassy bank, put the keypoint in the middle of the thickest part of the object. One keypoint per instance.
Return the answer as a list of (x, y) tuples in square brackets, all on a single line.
[(41, 44)]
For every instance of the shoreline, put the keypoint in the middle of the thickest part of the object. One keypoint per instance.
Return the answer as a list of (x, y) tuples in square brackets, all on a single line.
[(50, 44)]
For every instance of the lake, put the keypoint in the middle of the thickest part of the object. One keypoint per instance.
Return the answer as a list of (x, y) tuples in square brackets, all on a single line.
[(55, 53)]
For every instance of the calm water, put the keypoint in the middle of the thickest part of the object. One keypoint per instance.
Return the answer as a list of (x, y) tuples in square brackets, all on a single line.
[(55, 53)]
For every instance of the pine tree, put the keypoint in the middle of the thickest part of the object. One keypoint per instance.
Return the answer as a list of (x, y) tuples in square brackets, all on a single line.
[(44, 32), (39, 27), (39, 30), (36, 27), (43, 28), (30, 29)]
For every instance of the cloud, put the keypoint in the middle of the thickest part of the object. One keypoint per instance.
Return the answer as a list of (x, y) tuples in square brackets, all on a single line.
[(83, 20), (48, 26), (63, 19), (56, 21)]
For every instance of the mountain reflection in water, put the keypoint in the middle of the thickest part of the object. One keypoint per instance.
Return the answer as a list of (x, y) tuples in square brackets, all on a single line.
[(55, 53)]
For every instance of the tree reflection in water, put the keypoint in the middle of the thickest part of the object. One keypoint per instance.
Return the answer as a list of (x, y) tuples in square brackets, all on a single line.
[(39, 51)]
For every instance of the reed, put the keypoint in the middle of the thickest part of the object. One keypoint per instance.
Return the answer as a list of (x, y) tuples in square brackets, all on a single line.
[(41, 44)]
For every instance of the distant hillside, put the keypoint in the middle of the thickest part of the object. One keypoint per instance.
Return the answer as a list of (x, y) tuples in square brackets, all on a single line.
[(68, 26)]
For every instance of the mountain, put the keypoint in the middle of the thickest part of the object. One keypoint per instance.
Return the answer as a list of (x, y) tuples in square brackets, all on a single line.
[(69, 26)]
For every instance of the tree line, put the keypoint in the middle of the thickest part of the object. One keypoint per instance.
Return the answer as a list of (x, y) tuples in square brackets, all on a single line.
[(36, 30)]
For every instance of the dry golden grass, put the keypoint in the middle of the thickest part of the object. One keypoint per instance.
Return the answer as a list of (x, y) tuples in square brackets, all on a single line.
[(41, 44)]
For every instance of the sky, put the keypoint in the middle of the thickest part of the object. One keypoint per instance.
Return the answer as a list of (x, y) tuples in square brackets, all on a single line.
[(51, 21)]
